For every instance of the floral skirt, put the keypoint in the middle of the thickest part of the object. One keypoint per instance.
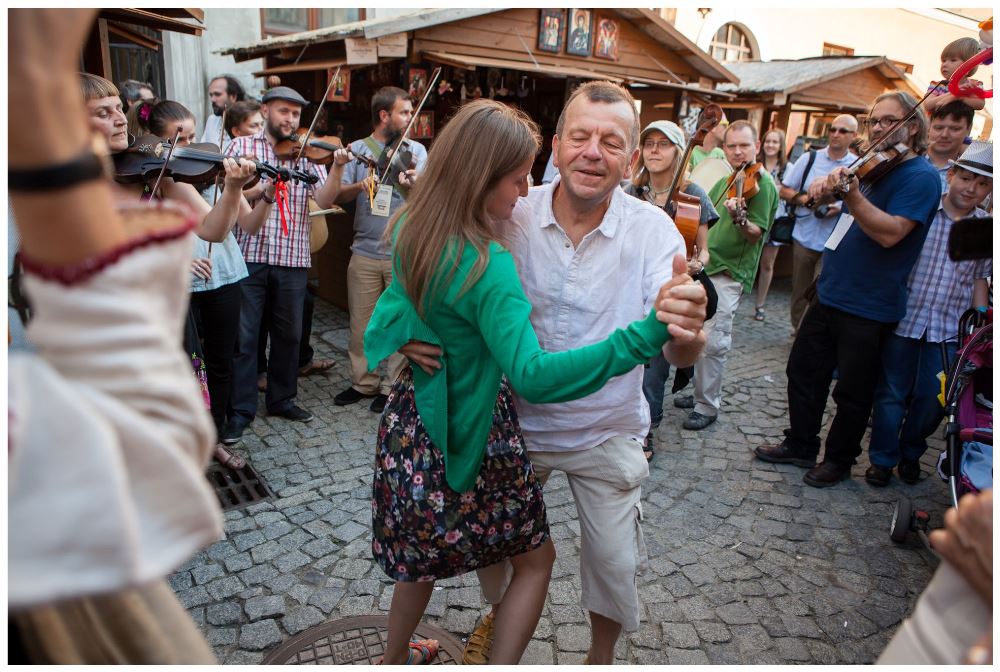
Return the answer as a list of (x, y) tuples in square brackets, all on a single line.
[(422, 529)]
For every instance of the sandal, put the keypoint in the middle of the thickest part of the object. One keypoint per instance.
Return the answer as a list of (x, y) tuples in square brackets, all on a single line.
[(316, 366), (759, 314), (421, 652), (232, 461), (477, 649), (647, 447)]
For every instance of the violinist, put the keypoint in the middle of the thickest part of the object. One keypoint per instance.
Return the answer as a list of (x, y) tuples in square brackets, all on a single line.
[(661, 145), (217, 269), (861, 292), (370, 269), (734, 247), (278, 261)]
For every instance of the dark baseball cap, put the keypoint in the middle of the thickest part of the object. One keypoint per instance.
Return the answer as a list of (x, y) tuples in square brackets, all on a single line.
[(283, 93)]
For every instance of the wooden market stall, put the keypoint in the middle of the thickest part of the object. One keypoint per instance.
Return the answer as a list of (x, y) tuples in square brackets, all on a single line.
[(529, 58), (803, 96)]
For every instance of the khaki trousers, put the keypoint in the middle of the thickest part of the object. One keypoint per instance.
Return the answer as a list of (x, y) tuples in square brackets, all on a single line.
[(806, 266), (366, 280), (606, 483), (710, 368)]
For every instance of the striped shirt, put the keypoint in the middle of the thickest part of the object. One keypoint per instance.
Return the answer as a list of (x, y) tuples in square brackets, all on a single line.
[(940, 290), (271, 245)]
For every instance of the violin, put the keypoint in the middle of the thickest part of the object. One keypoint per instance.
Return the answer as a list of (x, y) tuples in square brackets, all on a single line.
[(744, 185), (195, 163), (318, 149), (687, 208)]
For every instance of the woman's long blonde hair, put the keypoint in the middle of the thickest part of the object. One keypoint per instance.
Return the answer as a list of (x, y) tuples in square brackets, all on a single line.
[(483, 142)]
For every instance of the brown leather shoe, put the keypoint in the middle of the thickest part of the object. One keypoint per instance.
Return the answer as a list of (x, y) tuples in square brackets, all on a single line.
[(827, 473), (780, 453), (878, 476)]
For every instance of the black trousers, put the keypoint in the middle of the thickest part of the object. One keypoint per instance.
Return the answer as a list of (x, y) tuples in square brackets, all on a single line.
[(217, 314), (305, 348), (283, 289), (830, 339)]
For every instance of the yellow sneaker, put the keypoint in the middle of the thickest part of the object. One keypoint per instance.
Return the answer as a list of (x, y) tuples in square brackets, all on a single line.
[(477, 649)]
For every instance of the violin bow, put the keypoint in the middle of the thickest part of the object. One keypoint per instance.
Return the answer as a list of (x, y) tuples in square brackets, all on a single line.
[(892, 129), (163, 168), (413, 118), (319, 109), (215, 194)]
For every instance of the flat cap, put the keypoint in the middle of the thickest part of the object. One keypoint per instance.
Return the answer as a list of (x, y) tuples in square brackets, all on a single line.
[(283, 93)]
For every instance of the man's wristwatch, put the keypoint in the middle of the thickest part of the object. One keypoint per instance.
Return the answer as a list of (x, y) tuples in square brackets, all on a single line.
[(263, 197)]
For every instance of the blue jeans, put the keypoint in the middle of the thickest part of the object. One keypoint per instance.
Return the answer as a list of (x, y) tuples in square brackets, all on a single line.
[(283, 290), (906, 409), (654, 379)]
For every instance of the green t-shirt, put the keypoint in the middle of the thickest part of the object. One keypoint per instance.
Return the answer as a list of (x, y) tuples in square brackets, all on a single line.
[(698, 155), (485, 333), (727, 248)]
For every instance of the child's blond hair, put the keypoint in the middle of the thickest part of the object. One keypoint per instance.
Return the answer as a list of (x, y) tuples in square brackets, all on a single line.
[(963, 49)]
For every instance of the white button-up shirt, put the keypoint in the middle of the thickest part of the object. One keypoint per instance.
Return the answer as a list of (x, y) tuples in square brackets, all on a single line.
[(579, 296)]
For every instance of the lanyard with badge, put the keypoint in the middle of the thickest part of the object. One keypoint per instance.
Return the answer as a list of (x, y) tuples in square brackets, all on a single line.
[(380, 200)]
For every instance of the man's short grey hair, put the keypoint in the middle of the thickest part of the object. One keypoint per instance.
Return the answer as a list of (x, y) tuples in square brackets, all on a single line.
[(603, 91)]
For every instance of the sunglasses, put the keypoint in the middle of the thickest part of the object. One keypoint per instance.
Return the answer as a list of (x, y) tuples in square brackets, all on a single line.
[(836, 130)]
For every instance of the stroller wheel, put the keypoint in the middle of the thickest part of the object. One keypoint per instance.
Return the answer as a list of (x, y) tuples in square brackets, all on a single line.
[(902, 518)]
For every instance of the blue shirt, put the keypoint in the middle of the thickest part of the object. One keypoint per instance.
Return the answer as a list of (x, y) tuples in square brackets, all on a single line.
[(811, 231), (865, 279)]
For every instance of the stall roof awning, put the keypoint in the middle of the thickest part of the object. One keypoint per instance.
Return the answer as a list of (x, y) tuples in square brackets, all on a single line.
[(470, 62), (158, 19), (794, 76), (646, 20)]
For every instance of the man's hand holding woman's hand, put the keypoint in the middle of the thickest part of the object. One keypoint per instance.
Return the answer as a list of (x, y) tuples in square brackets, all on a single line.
[(681, 305)]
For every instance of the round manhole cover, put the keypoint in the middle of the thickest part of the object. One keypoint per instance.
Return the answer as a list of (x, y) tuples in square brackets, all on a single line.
[(355, 641)]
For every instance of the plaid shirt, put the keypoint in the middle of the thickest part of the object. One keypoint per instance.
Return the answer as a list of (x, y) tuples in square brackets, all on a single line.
[(939, 289), (271, 245)]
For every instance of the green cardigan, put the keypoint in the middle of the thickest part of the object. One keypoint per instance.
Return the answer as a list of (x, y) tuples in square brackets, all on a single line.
[(484, 333)]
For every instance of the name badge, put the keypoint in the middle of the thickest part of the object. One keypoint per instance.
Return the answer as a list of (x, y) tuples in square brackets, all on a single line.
[(383, 201), (839, 232)]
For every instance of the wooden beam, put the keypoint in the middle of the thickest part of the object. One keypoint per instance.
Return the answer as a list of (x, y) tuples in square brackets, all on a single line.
[(133, 36), (96, 54), (783, 114), (149, 19)]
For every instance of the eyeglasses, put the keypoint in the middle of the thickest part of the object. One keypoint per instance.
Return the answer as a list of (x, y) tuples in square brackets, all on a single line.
[(835, 130), (884, 121), (664, 145)]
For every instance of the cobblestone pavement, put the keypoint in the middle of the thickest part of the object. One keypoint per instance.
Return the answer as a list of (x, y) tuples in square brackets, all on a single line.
[(747, 564)]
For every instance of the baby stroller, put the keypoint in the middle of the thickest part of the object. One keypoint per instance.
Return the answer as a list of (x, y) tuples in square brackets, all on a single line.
[(967, 461)]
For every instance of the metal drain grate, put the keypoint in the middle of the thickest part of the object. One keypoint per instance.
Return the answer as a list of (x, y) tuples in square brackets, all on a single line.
[(356, 641), (237, 488)]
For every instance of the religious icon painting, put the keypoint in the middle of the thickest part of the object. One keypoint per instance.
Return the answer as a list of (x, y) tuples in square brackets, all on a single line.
[(580, 40), (423, 127), (606, 32), (551, 26), (341, 90), (418, 83)]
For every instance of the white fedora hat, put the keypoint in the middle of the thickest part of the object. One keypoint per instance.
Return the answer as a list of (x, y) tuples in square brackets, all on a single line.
[(977, 158)]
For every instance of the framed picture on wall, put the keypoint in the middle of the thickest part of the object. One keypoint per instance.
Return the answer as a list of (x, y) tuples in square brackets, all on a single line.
[(418, 83), (606, 32), (580, 38), (551, 26), (423, 127), (341, 91)]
